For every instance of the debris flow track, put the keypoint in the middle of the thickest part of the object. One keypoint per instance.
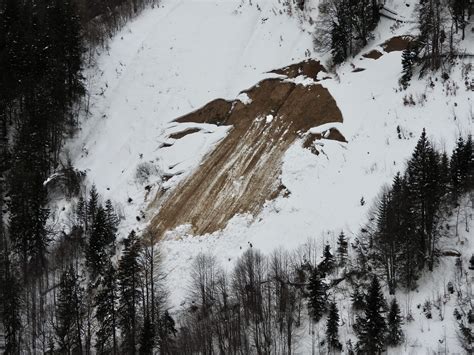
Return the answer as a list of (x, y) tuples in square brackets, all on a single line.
[(243, 171)]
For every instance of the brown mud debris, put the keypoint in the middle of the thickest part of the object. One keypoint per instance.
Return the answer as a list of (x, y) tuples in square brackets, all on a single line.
[(333, 134), (179, 135), (242, 172), (397, 44), (309, 68), (373, 54)]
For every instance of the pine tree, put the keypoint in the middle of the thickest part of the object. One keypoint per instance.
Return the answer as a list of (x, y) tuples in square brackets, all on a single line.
[(432, 35), (469, 157), (106, 301), (423, 183), (408, 60), (394, 320), (403, 230), (332, 328), (92, 205), (111, 218), (444, 176), (129, 276), (147, 338), (460, 13), (358, 298), (69, 313), (339, 43), (81, 212), (327, 265), (342, 247), (316, 296), (388, 243), (466, 336), (371, 328), (98, 249)]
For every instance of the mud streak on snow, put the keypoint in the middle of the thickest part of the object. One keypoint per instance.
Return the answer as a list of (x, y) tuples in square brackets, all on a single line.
[(243, 170)]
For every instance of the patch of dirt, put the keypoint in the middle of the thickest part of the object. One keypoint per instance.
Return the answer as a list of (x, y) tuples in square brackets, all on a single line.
[(179, 135), (334, 134), (309, 68), (215, 112), (165, 145), (243, 170), (373, 54), (397, 44), (281, 190)]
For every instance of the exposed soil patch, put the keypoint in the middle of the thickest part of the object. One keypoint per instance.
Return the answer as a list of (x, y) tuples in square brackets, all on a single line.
[(215, 112), (281, 190), (165, 145), (179, 135), (398, 43), (373, 54), (243, 170), (333, 134), (309, 68)]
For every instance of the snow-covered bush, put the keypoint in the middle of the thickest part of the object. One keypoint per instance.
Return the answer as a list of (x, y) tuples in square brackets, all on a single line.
[(144, 171)]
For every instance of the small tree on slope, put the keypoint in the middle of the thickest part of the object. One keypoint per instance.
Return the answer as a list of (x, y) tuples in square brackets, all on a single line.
[(342, 253), (394, 320), (332, 329), (327, 265), (317, 296), (408, 60), (371, 329)]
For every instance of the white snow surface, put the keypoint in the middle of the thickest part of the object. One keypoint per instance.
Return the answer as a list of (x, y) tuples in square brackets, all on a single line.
[(182, 54)]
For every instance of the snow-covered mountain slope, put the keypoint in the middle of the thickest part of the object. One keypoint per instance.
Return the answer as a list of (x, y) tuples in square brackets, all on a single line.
[(181, 55), (169, 61)]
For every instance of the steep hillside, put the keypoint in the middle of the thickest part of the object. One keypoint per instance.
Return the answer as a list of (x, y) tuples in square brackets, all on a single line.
[(213, 124), (243, 171), (169, 61)]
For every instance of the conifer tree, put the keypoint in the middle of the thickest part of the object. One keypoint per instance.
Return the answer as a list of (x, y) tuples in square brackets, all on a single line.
[(111, 217), (339, 43), (147, 338), (371, 328), (404, 233), (394, 321), (106, 302), (358, 298), (432, 35), (332, 328), (98, 249), (469, 158), (342, 246), (386, 243), (129, 275), (81, 212), (423, 183), (69, 313), (92, 205), (408, 61), (444, 176), (460, 13), (327, 265), (316, 296)]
